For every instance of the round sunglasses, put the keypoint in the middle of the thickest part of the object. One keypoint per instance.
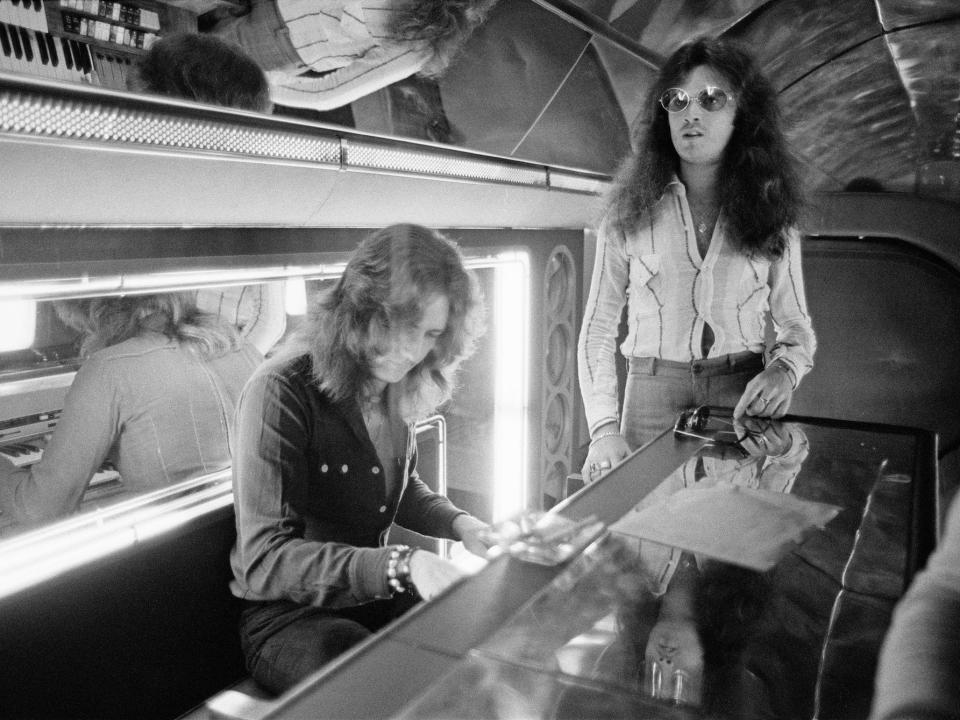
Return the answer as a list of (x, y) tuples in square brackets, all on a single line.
[(710, 99)]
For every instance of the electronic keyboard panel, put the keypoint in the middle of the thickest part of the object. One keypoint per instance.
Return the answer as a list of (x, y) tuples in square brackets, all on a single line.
[(29, 14), (22, 441), (89, 41)]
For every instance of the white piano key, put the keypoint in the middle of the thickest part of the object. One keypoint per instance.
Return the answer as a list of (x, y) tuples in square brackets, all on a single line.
[(30, 60), (24, 13)]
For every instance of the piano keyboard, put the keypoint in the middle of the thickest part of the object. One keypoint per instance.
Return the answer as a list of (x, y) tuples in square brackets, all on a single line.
[(23, 454), (27, 14), (38, 53), (93, 43)]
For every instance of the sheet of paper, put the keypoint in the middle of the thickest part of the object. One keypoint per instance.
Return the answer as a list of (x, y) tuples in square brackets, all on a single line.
[(740, 525)]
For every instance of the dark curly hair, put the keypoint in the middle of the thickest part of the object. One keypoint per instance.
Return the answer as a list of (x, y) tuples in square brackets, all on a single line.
[(759, 186)]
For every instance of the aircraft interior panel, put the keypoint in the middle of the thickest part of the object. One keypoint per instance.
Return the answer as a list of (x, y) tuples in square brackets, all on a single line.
[(110, 192)]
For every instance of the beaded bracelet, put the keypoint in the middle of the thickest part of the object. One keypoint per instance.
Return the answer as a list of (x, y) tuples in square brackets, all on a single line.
[(398, 570)]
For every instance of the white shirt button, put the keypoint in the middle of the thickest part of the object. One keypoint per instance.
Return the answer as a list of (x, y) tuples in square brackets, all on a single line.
[(324, 467), (383, 508), (344, 468), (375, 470)]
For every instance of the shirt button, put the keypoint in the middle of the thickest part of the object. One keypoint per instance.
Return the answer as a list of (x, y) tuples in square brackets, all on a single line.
[(324, 467), (344, 468), (375, 470), (383, 508)]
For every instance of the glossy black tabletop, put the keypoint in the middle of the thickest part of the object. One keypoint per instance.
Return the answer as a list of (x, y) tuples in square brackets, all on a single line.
[(738, 572)]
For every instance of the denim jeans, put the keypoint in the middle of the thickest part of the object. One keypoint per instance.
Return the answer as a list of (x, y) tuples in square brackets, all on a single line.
[(284, 642), (657, 391)]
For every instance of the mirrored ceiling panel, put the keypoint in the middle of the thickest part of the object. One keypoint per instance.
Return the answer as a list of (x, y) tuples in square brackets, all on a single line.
[(629, 78), (662, 26), (584, 108), (792, 39), (509, 72), (928, 61), (852, 119), (903, 13)]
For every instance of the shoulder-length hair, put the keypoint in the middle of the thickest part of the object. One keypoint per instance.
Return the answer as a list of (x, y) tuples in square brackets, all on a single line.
[(106, 321), (444, 24), (759, 188), (387, 281)]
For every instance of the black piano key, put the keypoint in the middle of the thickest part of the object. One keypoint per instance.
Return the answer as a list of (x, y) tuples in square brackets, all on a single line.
[(52, 50), (38, 5), (5, 41), (15, 42), (42, 47), (75, 50), (27, 45), (67, 55), (81, 56), (87, 57)]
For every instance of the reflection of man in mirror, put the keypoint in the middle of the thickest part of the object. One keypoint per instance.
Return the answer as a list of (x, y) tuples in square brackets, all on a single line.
[(155, 396), (160, 380), (325, 54)]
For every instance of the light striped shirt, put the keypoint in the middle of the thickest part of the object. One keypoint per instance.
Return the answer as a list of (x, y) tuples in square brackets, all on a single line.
[(670, 292), (350, 42)]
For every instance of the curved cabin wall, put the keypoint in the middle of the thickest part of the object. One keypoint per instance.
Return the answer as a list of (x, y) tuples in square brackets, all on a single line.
[(149, 631), (882, 274)]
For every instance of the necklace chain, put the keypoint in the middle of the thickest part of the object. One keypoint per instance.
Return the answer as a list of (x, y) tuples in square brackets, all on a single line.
[(706, 212)]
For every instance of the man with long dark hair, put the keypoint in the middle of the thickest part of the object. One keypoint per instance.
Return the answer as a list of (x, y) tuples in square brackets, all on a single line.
[(699, 241)]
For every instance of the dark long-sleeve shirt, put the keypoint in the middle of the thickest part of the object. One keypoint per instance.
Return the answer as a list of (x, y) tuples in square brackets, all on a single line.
[(313, 499)]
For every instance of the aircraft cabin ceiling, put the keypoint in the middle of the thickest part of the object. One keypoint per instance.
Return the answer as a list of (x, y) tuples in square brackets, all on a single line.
[(869, 88)]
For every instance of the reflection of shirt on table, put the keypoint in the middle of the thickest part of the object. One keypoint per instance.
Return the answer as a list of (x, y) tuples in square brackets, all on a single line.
[(159, 411), (711, 466)]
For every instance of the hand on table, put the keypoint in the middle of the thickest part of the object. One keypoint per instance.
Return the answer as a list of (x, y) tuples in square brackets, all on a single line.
[(603, 456), (431, 574), (470, 530), (768, 394)]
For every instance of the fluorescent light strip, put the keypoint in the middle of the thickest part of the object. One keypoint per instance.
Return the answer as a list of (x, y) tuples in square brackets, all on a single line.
[(157, 282), (573, 182), (45, 553), (28, 113), (72, 554), (511, 408), (87, 115), (358, 154), (18, 317)]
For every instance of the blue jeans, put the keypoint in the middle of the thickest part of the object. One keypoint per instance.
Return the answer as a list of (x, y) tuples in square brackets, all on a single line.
[(284, 642), (657, 391)]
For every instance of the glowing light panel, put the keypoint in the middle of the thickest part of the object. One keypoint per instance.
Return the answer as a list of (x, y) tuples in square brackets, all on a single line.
[(511, 309), (18, 324)]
